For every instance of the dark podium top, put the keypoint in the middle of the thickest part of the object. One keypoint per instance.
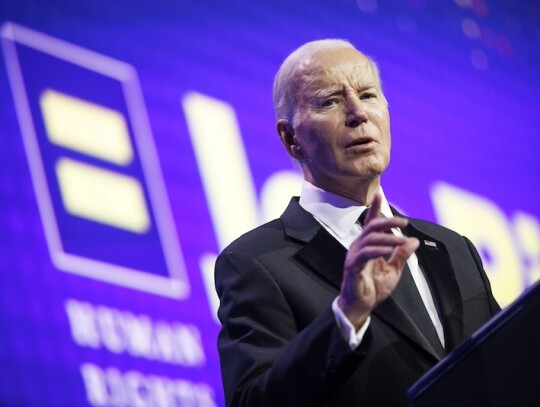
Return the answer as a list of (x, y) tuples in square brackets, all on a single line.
[(498, 366)]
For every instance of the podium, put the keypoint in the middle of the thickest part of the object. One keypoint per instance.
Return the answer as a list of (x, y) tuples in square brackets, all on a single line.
[(498, 366)]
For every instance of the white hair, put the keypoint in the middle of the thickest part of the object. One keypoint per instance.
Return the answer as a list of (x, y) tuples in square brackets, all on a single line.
[(285, 85)]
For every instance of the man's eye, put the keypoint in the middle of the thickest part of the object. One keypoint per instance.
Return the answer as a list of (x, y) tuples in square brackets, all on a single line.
[(328, 102), (365, 96)]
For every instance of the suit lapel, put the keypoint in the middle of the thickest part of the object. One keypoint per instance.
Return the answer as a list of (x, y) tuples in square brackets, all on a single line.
[(437, 267), (321, 251), (325, 255)]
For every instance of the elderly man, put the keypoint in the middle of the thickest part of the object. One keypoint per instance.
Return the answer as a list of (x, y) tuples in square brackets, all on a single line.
[(334, 304)]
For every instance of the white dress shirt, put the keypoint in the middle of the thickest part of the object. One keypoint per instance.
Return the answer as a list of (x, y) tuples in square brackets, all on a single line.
[(339, 215)]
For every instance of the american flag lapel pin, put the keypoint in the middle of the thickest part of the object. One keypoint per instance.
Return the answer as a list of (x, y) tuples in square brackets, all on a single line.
[(430, 243)]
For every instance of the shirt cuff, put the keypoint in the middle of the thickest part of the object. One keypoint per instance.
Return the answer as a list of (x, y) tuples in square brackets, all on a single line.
[(352, 337)]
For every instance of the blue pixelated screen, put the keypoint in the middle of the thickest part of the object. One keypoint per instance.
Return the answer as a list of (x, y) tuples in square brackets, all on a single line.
[(138, 140)]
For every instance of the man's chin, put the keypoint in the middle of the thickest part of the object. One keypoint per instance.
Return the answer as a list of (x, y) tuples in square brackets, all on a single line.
[(368, 170)]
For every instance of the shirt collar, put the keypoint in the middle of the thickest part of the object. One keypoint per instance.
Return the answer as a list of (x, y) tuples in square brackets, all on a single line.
[(335, 211)]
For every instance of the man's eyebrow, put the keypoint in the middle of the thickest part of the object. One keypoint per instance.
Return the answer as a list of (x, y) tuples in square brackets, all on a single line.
[(329, 92), (338, 90), (367, 86)]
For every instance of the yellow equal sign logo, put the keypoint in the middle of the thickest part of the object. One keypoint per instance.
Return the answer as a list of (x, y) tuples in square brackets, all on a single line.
[(88, 191)]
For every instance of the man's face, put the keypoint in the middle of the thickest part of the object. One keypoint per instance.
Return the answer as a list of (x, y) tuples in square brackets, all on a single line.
[(342, 123)]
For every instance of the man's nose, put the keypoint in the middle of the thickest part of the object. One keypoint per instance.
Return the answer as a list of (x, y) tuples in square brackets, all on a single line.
[(356, 113)]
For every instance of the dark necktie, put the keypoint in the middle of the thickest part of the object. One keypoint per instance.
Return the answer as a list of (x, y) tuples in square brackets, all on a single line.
[(407, 296)]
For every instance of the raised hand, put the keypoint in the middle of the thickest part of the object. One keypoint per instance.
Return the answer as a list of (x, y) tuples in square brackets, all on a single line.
[(373, 264)]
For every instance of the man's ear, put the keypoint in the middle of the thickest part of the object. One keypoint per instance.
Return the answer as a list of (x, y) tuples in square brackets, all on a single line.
[(288, 139)]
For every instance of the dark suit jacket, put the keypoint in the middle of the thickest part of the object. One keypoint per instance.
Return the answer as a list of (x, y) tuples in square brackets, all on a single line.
[(280, 344)]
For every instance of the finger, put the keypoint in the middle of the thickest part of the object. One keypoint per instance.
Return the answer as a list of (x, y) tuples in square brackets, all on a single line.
[(377, 239), (359, 258), (383, 239), (403, 252), (383, 224), (374, 210)]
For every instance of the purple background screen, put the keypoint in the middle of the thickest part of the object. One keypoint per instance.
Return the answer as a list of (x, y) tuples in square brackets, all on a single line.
[(462, 82)]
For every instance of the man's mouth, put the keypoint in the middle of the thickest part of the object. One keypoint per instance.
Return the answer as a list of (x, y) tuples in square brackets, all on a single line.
[(362, 141)]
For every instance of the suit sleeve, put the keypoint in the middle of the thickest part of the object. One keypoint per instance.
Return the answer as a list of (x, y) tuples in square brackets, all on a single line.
[(265, 359), (494, 306)]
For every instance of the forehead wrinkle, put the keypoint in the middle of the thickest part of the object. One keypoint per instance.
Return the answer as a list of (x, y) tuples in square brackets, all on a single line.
[(318, 80), (323, 80), (309, 82), (359, 77)]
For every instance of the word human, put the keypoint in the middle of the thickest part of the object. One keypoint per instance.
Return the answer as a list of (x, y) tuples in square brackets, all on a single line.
[(137, 335)]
